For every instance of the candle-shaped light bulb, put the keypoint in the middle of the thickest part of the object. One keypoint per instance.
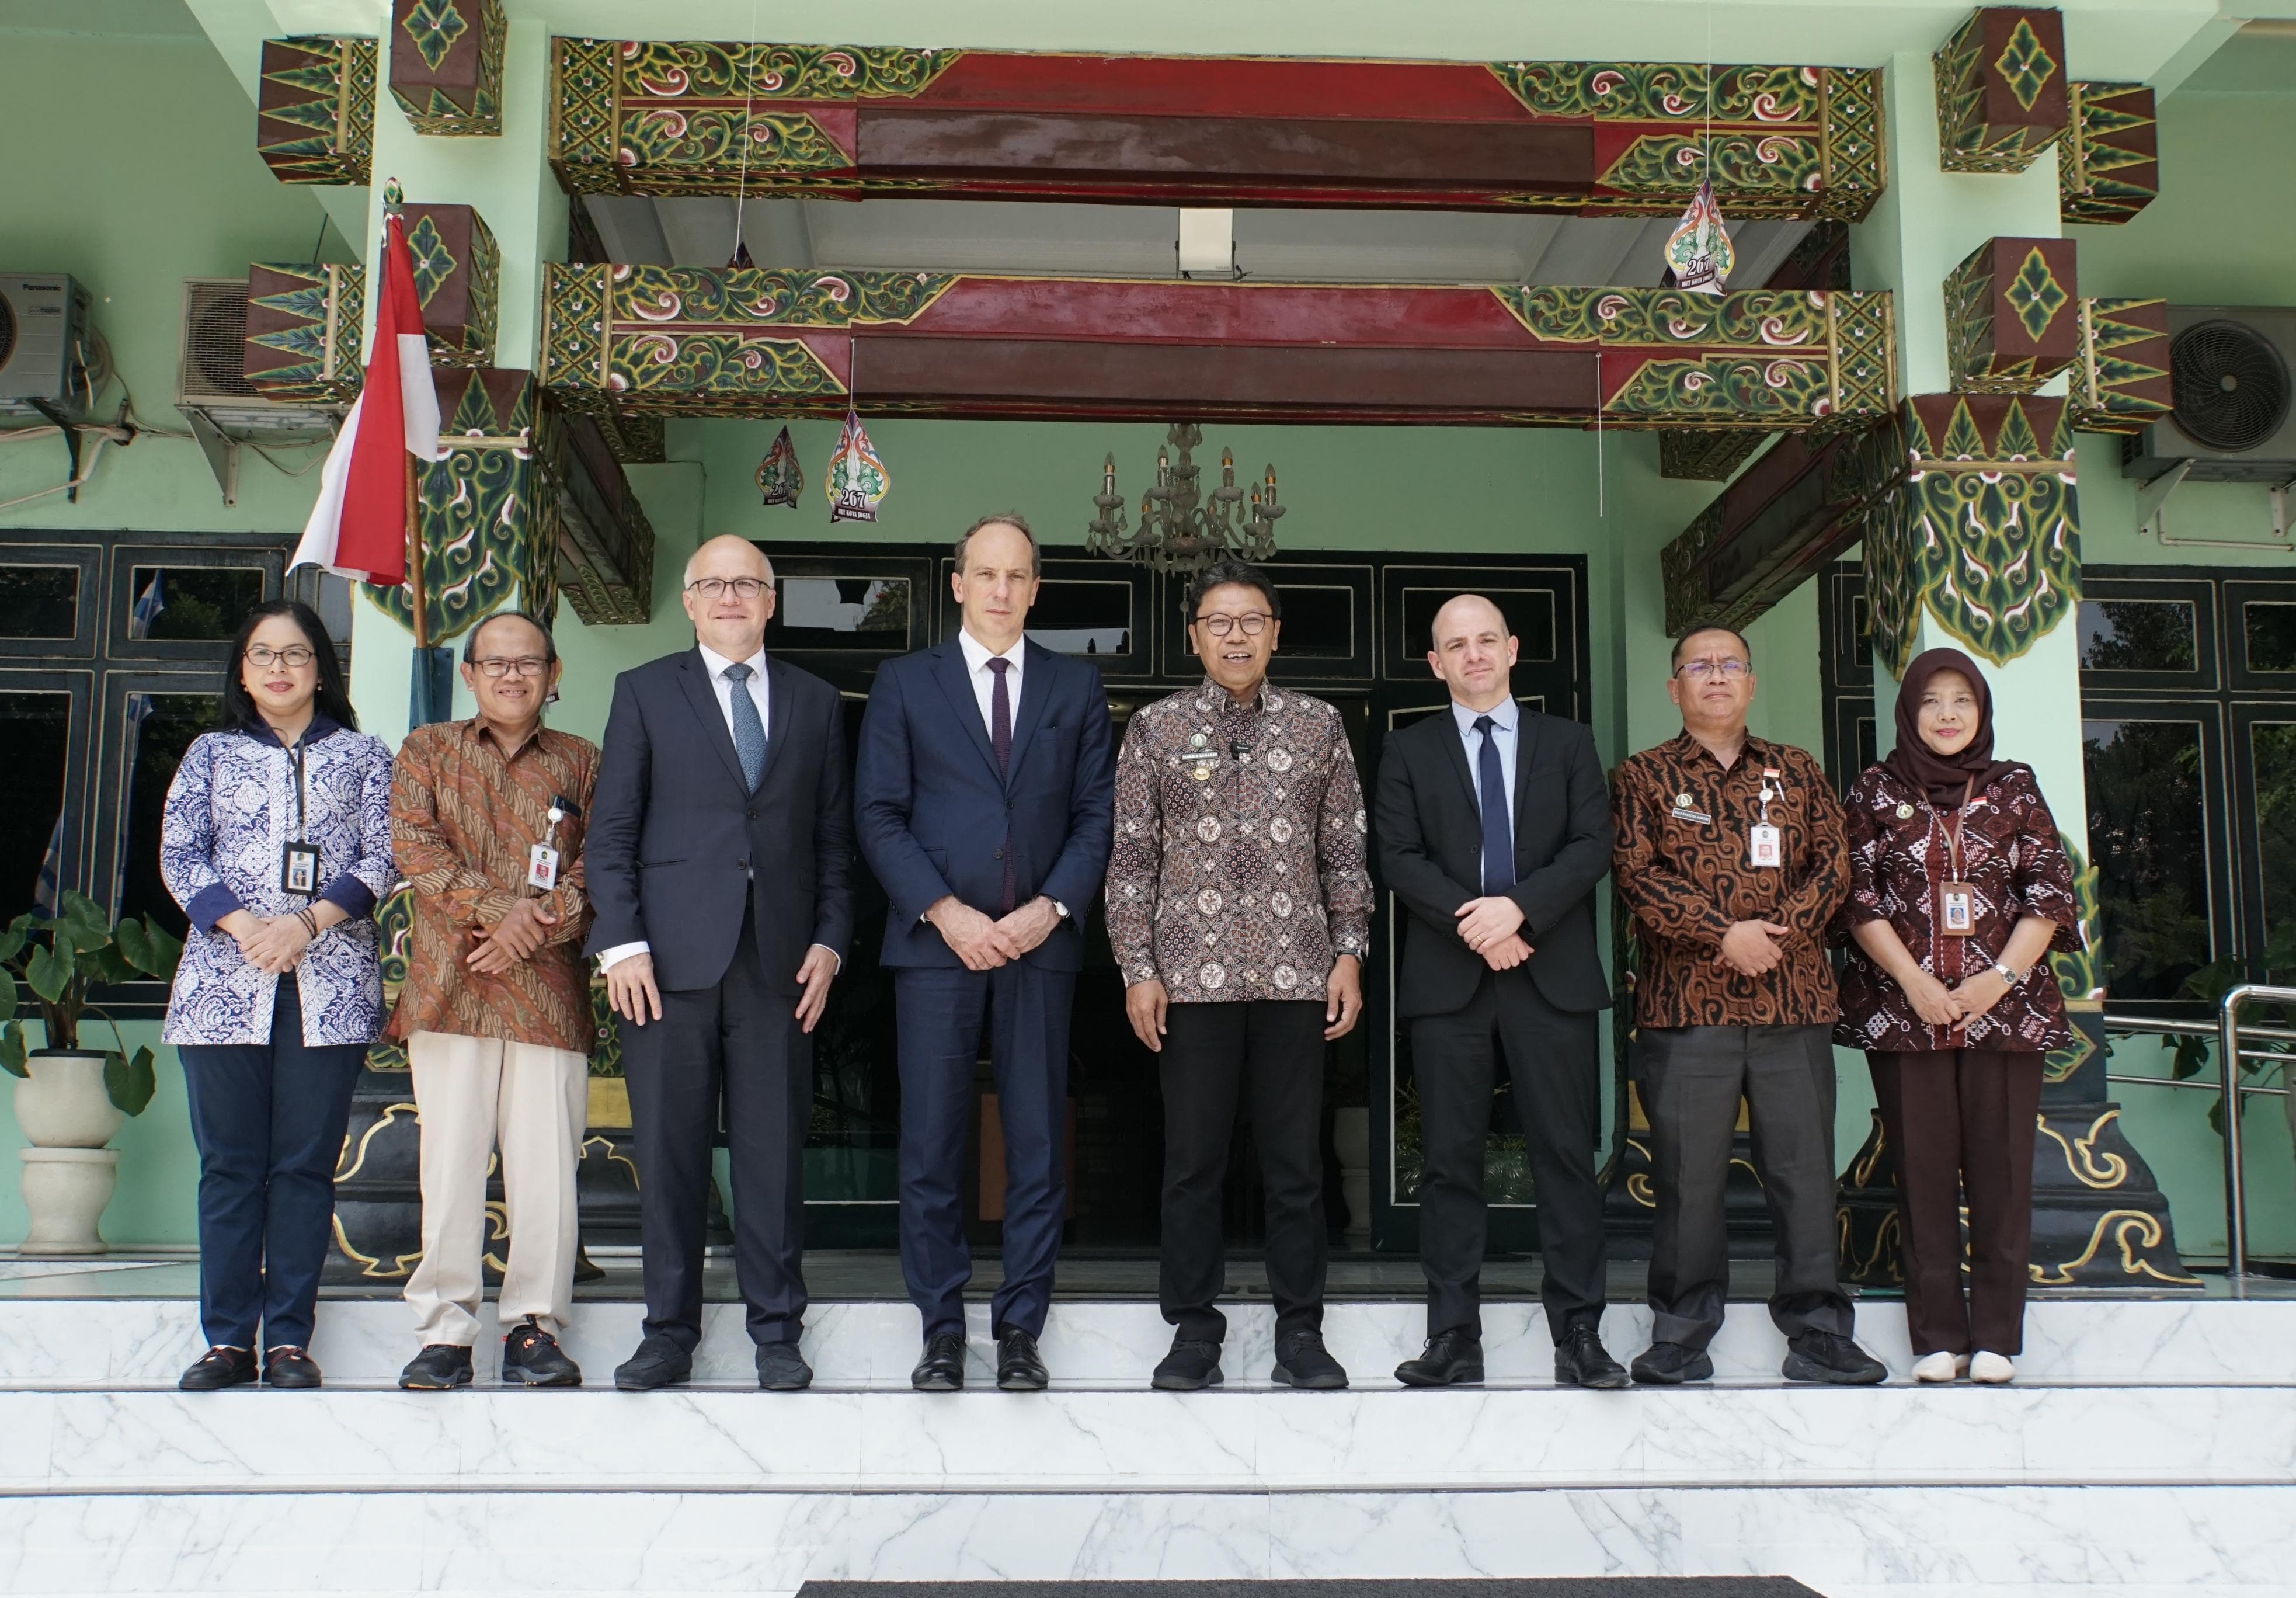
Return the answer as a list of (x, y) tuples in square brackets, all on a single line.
[(1108, 476), (1163, 467), (1228, 469)]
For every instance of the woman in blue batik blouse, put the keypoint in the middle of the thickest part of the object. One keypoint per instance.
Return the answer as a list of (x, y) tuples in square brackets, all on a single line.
[(276, 842)]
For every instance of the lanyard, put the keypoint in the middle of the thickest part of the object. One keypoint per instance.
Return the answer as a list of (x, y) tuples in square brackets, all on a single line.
[(1953, 830), (296, 758)]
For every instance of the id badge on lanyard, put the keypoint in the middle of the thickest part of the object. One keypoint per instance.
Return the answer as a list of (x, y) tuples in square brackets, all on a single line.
[(298, 861), (542, 858), (1765, 846), (1957, 903)]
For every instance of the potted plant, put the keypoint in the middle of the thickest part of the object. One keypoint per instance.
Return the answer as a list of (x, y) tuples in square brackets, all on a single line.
[(70, 1100)]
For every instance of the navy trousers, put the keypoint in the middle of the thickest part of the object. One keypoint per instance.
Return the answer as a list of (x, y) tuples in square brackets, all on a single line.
[(941, 1015), (268, 1120)]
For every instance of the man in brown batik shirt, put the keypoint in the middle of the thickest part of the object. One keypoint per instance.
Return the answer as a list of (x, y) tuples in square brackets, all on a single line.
[(1730, 855), (1239, 908)]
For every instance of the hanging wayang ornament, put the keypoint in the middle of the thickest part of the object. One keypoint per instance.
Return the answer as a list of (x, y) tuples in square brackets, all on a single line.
[(857, 479), (1698, 253), (779, 476)]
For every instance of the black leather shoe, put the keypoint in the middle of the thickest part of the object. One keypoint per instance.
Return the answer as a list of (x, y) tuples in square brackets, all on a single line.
[(436, 1368), (1301, 1360), (1671, 1364), (1020, 1368), (942, 1368), (1830, 1357), (1581, 1361), (781, 1369), (218, 1368), (658, 1362), (533, 1356), (288, 1366), (1192, 1365), (1451, 1359)]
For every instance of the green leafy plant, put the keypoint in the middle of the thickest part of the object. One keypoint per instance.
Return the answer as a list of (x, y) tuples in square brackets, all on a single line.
[(59, 957), (2212, 981)]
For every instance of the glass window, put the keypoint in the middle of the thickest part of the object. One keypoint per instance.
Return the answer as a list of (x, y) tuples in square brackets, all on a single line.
[(2271, 756), (2271, 628), (160, 727), (2139, 635), (1861, 630), (1529, 615), (192, 603), (2148, 836), (37, 730), (39, 602), (1076, 617), (1318, 622), (842, 613), (1869, 742)]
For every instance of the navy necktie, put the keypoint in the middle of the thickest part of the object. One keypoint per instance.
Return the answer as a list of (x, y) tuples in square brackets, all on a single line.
[(1000, 738), (1498, 833), (749, 727)]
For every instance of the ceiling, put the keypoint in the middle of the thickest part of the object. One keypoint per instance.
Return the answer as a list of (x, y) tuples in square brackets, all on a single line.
[(1139, 241)]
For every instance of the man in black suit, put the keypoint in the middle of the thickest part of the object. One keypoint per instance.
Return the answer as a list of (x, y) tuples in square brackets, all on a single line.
[(1494, 826), (719, 859), (983, 799)]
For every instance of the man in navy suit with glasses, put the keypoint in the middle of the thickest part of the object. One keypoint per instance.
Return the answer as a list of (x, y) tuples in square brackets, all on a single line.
[(983, 802)]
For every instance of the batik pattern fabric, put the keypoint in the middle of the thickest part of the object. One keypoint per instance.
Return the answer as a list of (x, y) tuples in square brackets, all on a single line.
[(1247, 881), (2011, 855), (1682, 865), (230, 813), (464, 820)]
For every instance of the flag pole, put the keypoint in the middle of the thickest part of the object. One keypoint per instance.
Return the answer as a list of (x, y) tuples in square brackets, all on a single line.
[(415, 603)]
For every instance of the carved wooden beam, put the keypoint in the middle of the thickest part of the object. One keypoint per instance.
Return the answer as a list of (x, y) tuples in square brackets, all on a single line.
[(2001, 89), (2012, 320), (2121, 383), (850, 121), (447, 65), (2108, 166), (457, 278), (314, 110), (604, 542), (303, 330), (689, 341)]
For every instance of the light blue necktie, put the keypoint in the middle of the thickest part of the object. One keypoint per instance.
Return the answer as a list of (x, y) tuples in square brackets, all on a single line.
[(749, 728), (1498, 834)]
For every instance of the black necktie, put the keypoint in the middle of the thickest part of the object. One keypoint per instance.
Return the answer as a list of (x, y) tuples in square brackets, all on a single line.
[(1498, 835)]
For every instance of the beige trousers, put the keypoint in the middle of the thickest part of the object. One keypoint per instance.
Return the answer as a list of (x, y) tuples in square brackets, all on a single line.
[(474, 1095)]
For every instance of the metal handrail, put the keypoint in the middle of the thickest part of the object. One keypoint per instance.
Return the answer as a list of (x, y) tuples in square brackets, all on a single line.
[(2230, 1038)]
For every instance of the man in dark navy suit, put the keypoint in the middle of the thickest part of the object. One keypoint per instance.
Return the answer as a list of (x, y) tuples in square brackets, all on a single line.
[(1494, 826), (719, 856), (983, 796)]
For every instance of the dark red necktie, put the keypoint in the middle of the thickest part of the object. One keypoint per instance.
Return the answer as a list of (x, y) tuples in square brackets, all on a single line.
[(1000, 738)]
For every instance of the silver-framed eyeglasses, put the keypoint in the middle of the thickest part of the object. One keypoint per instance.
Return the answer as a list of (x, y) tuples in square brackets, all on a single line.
[(1219, 624), (522, 666), (1729, 670), (716, 588), (294, 657)]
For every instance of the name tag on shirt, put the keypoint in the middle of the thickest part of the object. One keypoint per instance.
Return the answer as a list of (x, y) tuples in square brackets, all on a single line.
[(1681, 813), (1762, 847), (542, 867)]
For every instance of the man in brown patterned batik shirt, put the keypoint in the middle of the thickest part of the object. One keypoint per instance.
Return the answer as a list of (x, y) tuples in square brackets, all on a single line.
[(1239, 907), (487, 819), (1731, 856)]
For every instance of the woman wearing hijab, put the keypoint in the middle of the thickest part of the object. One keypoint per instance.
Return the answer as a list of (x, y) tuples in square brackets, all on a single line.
[(1959, 886)]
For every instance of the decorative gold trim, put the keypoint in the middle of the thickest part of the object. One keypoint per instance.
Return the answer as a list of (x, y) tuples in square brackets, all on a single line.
[(2122, 1222), (2080, 1153), (389, 1114)]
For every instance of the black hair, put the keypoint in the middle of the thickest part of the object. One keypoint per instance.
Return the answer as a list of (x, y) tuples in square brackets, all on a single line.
[(1002, 518), (333, 699), (1674, 662), (1228, 569), (549, 644)]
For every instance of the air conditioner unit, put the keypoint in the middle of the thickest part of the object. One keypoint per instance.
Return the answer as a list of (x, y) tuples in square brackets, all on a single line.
[(2232, 421), (43, 345), (226, 410)]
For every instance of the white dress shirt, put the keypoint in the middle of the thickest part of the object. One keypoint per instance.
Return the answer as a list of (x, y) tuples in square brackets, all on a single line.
[(984, 680), (725, 687), (1506, 720)]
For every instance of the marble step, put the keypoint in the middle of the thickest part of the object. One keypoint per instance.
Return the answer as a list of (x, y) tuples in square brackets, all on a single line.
[(69, 1342), (1843, 1542), (733, 1439)]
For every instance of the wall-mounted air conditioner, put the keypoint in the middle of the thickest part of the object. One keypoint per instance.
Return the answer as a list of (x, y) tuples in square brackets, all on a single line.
[(2229, 370), (44, 346), (226, 410)]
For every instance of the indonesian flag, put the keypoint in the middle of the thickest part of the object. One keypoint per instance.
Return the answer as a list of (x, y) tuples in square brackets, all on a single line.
[(358, 528)]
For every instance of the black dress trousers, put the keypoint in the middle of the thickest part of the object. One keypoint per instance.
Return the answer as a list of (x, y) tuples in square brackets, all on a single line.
[(1551, 1057)]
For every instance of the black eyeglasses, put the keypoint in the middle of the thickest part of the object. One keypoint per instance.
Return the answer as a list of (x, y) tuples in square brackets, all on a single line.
[(1219, 625), (712, 588), (523, 665), (294, 657)]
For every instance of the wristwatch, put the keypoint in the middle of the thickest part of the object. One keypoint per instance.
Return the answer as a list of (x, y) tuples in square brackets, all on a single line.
[(2008, 976), (1060, 909)]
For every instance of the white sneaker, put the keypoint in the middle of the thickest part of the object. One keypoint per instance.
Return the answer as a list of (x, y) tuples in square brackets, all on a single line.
[(1993, 1369), (1941, 1366)]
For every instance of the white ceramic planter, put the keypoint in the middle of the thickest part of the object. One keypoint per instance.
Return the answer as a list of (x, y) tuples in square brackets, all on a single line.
[(64, 1113), (1351, 1141)]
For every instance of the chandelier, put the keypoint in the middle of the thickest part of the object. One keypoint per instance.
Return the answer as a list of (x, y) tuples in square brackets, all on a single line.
[(1182, 529)]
